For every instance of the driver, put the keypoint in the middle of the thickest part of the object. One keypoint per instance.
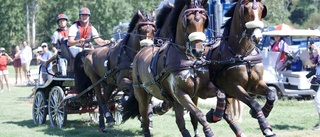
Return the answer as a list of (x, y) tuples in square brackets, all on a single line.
[(82, 31)]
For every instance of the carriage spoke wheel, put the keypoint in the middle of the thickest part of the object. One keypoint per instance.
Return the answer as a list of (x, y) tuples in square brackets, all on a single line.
[(57, 109), (39, 109)]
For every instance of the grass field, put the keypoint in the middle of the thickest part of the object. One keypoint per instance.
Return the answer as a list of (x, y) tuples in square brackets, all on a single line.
[(289, 118)]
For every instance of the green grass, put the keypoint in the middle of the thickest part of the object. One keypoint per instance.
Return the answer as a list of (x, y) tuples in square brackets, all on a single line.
[(289, 118)]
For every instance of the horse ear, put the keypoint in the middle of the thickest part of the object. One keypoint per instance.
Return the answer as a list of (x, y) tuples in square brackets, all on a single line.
[(170, 5), (204, 2), (264, 11), (153, 14), (140, 14)]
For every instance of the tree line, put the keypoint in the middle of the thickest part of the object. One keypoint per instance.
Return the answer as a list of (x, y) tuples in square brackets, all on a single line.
[(35, 20)]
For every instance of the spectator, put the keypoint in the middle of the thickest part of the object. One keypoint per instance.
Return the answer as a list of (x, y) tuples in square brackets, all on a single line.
[(26, 57), (316, 60), (17, 64), (42, 58), (4, 58), (281, 46)]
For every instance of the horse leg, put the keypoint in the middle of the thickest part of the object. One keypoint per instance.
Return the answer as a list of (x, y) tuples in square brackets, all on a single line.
[(270, 96), (103, 101), (256, 111), (143, 100), (185, 100), (228, 117), (178, 109), (150, 114), (194, 119), (125, 84), (162, 108), (215, 115)]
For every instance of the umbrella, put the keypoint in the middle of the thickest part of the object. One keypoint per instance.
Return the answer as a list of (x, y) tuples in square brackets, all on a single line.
[(284, 27)]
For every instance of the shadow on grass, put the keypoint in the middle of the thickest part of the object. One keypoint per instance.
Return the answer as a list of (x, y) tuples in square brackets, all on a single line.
[(287, 127), (77, 128)]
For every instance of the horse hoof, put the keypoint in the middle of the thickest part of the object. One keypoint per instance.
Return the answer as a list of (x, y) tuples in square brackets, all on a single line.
[(103, 130), (269, 133), (185, 133), (209, 116)]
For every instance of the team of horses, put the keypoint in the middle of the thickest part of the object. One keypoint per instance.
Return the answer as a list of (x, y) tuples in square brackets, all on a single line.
[(170, 61)]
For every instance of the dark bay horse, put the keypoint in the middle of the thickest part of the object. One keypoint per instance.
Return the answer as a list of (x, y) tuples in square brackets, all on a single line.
[(110, 66), (172, 72), (237, 65)]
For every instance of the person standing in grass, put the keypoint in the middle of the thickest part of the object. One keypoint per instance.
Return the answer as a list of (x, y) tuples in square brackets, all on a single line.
[(17, 64), (4, 58)]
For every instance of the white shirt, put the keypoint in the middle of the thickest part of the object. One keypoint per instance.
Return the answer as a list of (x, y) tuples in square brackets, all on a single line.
[(26, 55)]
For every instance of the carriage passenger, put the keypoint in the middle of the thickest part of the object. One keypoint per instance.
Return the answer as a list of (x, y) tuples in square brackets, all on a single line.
[(59, 37), (82, 31)]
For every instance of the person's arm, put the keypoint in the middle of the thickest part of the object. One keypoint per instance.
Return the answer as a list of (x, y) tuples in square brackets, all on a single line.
[(72, 36), (101, 42), (97, 39), (8, 57)]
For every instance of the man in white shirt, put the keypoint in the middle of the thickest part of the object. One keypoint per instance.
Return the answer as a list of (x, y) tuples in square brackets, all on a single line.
[(82, 31), (26, 57)]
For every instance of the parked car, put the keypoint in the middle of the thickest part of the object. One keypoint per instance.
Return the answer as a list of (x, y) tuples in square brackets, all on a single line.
[(292, 81)]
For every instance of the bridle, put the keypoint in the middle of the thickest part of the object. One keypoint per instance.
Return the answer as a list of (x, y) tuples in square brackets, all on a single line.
[(197, 9)]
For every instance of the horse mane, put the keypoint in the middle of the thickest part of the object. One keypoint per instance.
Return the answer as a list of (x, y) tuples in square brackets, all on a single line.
[(178, 6), (229, 13), (135, 20), (161, 16)]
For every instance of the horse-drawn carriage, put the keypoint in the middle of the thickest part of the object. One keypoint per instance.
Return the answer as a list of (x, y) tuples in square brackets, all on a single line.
[(72, 90), (57, 97)]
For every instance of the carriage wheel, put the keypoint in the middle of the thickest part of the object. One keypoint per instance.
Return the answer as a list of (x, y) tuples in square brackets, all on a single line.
[(56, 109), (39, 109)]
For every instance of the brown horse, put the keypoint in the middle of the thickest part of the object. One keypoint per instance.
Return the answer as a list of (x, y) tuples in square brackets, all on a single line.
[(237, 65), (110, 66), (173, 72)]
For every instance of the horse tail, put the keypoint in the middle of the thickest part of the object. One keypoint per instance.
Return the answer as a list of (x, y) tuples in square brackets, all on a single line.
[(130, 108), (81, 80)]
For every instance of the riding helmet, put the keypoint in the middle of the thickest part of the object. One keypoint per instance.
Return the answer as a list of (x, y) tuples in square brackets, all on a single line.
[(84, 11), (62, 16)]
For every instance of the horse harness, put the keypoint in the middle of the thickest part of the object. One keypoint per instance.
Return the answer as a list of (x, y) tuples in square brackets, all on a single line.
[(159, 76), (246, 59), (123, 45)]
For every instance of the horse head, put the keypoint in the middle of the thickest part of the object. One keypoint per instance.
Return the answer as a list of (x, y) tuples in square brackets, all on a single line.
[(251, 13), (193, 20), (146, 28)]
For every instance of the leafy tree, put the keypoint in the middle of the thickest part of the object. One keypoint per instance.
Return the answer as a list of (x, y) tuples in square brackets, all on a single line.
[(11, 23), (301, 11), (274, 8)]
